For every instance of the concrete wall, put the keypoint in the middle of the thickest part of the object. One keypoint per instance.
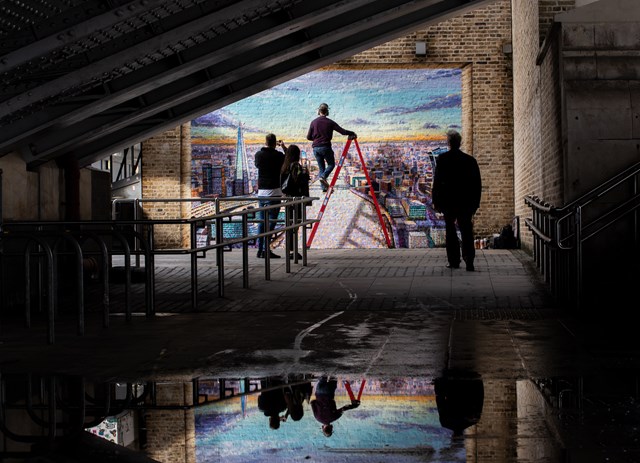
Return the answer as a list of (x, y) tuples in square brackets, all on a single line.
[(40, 194), (575, 98), (19, 189), (600, 76)]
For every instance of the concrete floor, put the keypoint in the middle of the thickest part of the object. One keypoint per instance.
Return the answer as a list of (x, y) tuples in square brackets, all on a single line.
[(378, 314)]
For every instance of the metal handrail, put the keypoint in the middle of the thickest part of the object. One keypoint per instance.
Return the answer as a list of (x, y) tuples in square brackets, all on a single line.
[(39, 230), (560, 232)]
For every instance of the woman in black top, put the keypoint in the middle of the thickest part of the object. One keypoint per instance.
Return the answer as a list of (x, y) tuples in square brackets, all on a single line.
[(297, 177)]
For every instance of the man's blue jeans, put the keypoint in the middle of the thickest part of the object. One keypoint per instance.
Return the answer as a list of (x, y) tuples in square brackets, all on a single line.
[(326, 387), (273, 216), (326, 160)]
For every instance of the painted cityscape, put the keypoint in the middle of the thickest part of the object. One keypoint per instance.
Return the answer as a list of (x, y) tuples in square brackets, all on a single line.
[(400, 116), (397, 420)]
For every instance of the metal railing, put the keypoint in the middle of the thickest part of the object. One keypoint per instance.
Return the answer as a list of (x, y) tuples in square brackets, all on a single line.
[(560, 233), (39, 247)]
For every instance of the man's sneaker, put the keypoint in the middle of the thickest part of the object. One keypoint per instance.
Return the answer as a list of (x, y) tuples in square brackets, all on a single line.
[(324, 183), (272, 255)]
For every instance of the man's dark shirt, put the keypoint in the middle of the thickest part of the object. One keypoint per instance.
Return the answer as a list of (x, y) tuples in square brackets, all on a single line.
[(325, 410), (321, 131), (269, 162)]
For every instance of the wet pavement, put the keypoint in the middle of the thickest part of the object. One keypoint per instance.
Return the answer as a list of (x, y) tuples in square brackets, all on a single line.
[(557, 387)]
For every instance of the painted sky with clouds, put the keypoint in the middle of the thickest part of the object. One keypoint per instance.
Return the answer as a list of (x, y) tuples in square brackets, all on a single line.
[(379, 105)]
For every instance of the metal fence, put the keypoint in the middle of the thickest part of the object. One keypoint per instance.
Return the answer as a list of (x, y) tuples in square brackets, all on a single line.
[(38, 248)]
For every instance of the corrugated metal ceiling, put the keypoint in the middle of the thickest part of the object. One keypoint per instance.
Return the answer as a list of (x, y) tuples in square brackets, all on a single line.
[(88, 78)]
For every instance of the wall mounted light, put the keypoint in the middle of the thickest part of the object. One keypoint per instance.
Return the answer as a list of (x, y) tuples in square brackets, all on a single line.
[(421, 48), (507, 48)]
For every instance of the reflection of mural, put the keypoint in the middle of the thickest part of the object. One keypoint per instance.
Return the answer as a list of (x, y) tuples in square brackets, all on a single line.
[(396, 417), (400, 117)]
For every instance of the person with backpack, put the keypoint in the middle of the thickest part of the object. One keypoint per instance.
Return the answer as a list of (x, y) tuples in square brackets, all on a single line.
[(295, 182)]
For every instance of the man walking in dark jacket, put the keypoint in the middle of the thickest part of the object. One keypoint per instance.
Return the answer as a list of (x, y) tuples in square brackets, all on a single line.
[(457, 188)]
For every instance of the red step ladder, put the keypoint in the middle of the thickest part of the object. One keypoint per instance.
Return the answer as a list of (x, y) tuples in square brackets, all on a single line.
[(330, 192)]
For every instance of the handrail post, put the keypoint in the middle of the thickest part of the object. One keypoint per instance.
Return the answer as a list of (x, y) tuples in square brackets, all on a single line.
[(304, 235), (578, 257), (150, 268), (127, 273), (79, 277), (136, 218), (51, 283), (296, 221), (636, 235), (553, 256), (194, 265), (545, 257), (220, 256), (287, 236), (245, 251), (267, 244), (105, 276)]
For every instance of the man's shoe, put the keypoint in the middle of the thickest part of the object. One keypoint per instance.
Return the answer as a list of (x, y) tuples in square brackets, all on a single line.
[(261, 255), (470, 268), (324, 183), (299, 255), (450, 265)]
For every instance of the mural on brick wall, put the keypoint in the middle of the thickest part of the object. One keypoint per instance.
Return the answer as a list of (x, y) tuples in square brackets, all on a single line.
[(400, 116), (398, 417)]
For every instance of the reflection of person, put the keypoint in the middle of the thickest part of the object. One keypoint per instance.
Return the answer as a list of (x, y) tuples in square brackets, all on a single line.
[(295, 396), (298, 184), (320, 134), (324, 405), (269, 161), (272, 402), (456, 194), (459, 398)]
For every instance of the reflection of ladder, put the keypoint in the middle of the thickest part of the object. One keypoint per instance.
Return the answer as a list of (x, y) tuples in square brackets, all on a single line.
[(330, 192)]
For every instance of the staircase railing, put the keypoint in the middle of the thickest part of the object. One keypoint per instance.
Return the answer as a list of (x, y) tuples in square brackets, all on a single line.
[(560, 233)]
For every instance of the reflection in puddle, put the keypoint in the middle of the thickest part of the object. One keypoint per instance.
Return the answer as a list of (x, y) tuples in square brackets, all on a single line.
[(458, 417), (318, 418)]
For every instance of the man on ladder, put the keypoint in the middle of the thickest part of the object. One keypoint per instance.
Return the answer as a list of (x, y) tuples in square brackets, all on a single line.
[(320, 134)]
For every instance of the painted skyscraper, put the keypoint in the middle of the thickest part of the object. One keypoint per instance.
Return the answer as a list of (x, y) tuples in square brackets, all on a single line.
[(241, 182)]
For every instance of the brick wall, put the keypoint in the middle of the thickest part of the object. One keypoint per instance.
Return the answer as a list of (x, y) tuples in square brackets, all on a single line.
[(163, 176), (472, 42), (171, 434), (185, 179), (498, 422), (537, 131), (526, 127)]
